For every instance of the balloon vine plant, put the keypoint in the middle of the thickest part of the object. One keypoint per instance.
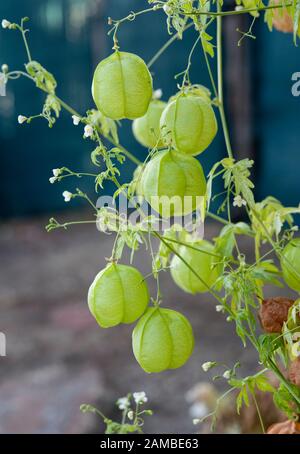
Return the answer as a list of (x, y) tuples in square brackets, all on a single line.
[(174, 132)]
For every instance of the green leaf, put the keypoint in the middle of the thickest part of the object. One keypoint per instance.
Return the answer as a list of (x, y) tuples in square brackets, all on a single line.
[(262, 383)]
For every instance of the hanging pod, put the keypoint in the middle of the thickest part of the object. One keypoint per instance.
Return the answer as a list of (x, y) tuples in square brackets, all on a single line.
[(146, 129), (118, 294), (290, 264), (204, 262), (188, 124), (122, 86), (162, 339), (173, 183)]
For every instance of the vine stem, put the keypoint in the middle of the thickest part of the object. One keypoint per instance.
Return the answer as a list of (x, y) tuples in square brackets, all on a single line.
[(238, 11), (220, 83), (166, 45), (23, 32), (259, 413)]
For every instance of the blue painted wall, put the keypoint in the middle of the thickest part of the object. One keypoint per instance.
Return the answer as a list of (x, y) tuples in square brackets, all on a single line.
[(61, 38), (277, 116)]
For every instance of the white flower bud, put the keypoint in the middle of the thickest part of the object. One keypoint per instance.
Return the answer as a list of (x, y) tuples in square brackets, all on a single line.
[(207, 366), (238, 201), (219, 308), (5, 23), (76, 120), (227, 374), (56, 172), (52, 180), (157, 94), (4, 68), (140, 397), (67, 196), (130, 415), (88, 131), (22, 119), (123, 403)]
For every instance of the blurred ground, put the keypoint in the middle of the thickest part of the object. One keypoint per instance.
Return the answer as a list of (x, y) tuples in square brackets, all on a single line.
[(58, 358)]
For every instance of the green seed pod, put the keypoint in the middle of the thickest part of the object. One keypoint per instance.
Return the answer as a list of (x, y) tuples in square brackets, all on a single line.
[(173, 183), (122, 86), (162, 339), (188, 124), (118, 294), (290, 264), (204, 264), (146, 129)]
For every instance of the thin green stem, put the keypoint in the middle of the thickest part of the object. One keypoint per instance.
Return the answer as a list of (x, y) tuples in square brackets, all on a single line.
[(23, 32), (167, 45), (220, 84), (17, 74), (186, 76), (210, 73), (259, 413), (190, 246), (237, 11), (217, 218), (65, 225), (131, 17)]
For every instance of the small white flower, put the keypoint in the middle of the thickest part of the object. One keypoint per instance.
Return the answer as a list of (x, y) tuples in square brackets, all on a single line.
[(140, 397), (227, 374), (52, 180), (219, 308), (76, 120), (21, 119), (5, 23), (207, 366), (4, 68), (123, 403), (157, 94), (67, 196), (88, 131), (56, 172), (130, 415), (238, 201), (196, 421)]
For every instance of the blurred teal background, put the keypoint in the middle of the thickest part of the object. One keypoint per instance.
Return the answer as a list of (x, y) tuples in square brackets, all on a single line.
[(69, 38)]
